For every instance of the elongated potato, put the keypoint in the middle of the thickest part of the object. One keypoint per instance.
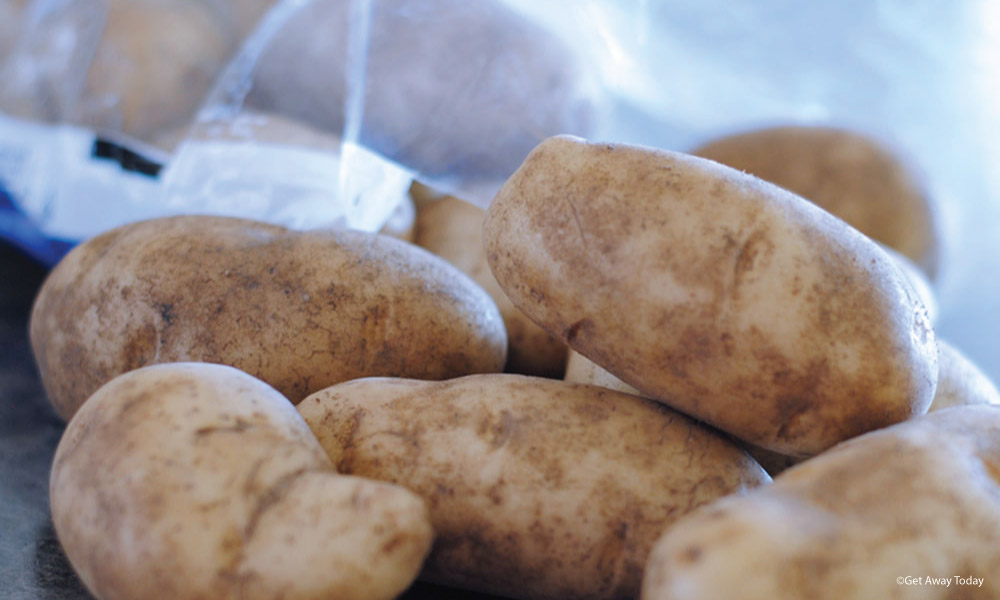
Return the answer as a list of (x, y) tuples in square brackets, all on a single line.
[(189, 481), (536, 488), (864, 520), (453, 229), (300, 310), (960, 381), (724, 296), (847, 173)]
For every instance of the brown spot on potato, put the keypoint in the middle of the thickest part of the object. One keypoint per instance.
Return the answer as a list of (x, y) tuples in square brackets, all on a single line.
[(690, 555), (574, 330)]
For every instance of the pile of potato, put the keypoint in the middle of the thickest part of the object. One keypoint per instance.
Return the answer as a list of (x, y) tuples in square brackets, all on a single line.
[(260, 413)]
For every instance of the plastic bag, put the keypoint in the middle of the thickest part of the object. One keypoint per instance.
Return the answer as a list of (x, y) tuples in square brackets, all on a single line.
[(130, 66), (458, 92), (417, 83), (85, 75)]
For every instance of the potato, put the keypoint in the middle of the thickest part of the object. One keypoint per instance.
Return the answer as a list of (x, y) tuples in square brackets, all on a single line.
[(438, 82), (300, 310), (864, 520), (846, 173), (960, 381), (726, 297), (536, 488), (191, 480), (154, 65), (453, 229), (132, 66), (917, 280)]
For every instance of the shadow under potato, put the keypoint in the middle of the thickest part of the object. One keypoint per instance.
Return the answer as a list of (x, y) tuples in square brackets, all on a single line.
[(53, 576)]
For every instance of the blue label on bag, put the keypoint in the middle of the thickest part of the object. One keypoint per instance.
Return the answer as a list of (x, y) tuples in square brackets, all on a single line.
[(19, 231)]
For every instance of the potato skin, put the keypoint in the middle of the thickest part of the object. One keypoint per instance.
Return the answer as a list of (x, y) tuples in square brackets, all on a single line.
[(453, 229), (717, 293), (917, 279), (536, 488), (846, 173), (580, 369), (921, 498), (300, 310), (191, 480), (960, 381)]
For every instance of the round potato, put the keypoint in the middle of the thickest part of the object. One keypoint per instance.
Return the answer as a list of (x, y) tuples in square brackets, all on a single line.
[(960, 381), (300, 310), (866, 519), (453, 229), (726, 297), (846, 173), (198, 481), (536, 488)]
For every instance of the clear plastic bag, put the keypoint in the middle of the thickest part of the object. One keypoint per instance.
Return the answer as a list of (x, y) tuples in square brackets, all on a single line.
[(131, 66), (455, 94)]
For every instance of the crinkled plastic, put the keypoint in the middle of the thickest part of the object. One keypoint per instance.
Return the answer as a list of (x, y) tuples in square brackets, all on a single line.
[(455, 93)]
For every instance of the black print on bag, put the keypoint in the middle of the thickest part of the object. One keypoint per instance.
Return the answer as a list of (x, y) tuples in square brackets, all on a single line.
[(129, 160)]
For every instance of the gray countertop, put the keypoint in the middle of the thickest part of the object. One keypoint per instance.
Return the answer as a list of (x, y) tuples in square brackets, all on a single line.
[(32, 565)]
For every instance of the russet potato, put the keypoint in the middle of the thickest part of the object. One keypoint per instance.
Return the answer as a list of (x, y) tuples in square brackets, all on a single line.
[(190, 481), (536, 488), (301, 310), (918, 499), (453, 229), (726, 297)]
